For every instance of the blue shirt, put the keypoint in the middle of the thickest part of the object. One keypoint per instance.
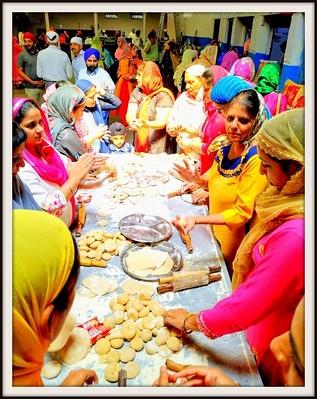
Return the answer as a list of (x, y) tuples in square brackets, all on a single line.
[(78, 64), (53, 64), (99, 77), (127, 147)]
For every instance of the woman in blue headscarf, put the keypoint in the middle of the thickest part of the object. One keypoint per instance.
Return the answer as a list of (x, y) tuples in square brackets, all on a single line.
[(234, 179)]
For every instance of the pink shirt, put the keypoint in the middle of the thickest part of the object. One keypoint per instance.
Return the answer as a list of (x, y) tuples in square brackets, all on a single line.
[(265, 303)]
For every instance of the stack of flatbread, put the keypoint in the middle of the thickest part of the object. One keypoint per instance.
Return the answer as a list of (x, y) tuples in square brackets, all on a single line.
[(148, 261)]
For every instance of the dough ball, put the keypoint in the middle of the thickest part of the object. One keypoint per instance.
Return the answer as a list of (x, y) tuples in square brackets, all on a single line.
[(109, 322), (162, 336), (127, 354), (159, 322), (157, 309), (155, 331), (63, 335), (130, 304), (144, 312), (138, 306), (95, 244), (117, 307), (118, 317), (77, 346), (151, 348), (139, 324), (174, 344), (112, 303), (112, 372), (128, 330), (115, 334), (137, 344), (117, 343), (133, 369), (110, 245), (149, 323), (132, 314), (90, 240), (164, 351), (146, 335), (145, 296), (123, 298), (83, 254), (102, 346), (51, 369), (106, 256), (110, 357), (130, 286)]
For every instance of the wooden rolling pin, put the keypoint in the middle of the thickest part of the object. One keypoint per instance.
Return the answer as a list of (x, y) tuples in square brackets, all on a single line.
[(92, 262), (81, 218), (183, 284), (187, 241), (189, 274), (171, 365), (122, 378)]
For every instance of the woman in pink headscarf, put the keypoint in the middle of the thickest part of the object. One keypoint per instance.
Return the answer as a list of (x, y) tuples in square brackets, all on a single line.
[(229, 58), (245, 69)]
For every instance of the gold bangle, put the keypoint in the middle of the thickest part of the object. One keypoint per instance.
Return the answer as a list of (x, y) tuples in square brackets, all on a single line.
[(184, 331)]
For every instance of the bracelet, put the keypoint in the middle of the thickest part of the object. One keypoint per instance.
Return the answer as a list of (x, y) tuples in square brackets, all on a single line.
[(184, 331)]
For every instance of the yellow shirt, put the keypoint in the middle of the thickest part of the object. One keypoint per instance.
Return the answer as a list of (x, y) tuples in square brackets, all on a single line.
[(234, 197)]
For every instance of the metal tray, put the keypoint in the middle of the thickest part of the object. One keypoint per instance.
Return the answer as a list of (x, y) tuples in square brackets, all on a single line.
[(145, 228), (174, 253)]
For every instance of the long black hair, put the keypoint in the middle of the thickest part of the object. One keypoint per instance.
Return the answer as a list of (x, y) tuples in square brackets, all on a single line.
[(18, 135)]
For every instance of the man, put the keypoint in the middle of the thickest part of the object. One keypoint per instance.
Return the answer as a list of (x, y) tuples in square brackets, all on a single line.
[(98, 76), (26, 64), (151, 52), (78, 62), (53, 64), (187, 115)]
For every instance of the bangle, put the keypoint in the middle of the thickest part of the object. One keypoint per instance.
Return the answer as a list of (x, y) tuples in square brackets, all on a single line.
[(184, 331)]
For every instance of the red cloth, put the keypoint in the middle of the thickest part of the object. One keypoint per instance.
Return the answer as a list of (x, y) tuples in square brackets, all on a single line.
[(16, 50), (265, 302), (213, 126)]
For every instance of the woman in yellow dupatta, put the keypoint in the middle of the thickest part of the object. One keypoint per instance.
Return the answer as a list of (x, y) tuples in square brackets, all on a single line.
[(148, 110), (45, 272)]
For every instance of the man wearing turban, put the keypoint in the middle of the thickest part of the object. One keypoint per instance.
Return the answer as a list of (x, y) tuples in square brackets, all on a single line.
[(98, 76), (27, 68)]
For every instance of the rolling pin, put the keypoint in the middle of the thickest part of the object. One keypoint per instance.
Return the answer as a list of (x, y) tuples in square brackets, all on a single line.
[(185, 237), (189, 274), (81, 218), (92, 262), (122, 378), (186, 283)]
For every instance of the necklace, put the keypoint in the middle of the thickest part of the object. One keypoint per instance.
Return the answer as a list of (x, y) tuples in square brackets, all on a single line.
[(18, 190), (230, 172)]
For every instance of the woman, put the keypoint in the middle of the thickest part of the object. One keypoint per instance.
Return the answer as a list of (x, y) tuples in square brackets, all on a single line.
[(168, 65), (288, 349), (269, 265), (126, 72), (188, 57), (96, 44), (16, 50), (245, 69), (22, 197), (65, 107), (267, 83), (91, 128), (208, 55), (148, 110), (50, 90), (45, 271), (50, 176), (234, 180), (229, 58), (121, 42)]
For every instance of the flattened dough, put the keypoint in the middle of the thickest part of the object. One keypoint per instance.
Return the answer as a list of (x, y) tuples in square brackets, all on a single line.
[(133, 369), (77, 346), (52, 369)]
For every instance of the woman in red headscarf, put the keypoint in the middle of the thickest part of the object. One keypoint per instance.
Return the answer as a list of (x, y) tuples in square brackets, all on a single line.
[(124, 86), (148, 110)]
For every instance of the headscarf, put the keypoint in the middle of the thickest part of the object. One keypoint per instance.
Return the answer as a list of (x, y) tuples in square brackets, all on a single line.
[(152, 84), (91, 51), (218, 73), (282, 137), (187, 59), (244, 67), (268, 79), (226, 89), (30, 36), (60, 104), (49, 166), (43, 256), (17, 103), (208, 56), (229, 59), (85, 86)]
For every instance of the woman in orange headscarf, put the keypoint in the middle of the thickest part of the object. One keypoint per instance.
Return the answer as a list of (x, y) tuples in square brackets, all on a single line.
[(148, 110), (124, 86)]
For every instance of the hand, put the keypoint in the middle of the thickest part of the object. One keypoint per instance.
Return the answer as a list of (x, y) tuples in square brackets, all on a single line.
[(184, 141), (185, 223), (80, 168), (175, 317), (204, 376), (79, 378), (164, 379), (102, 132), (112, 170), (173, 130), (186, 172), (37, 82), (190, 187), (200, 196), (100, 163)]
